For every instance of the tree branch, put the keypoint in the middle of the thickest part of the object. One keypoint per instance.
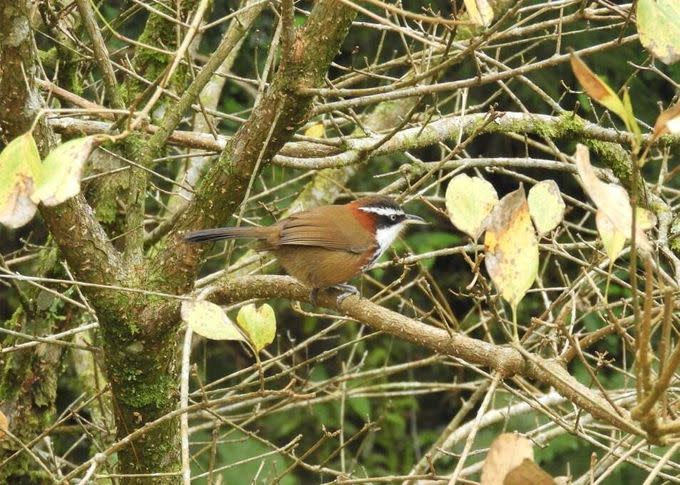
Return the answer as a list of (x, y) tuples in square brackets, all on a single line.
[(451, 86), (503, 359), (315, 156), (101, 53)]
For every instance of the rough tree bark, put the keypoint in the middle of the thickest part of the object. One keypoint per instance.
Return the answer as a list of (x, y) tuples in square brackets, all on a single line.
[(28, 378), (139, 339)]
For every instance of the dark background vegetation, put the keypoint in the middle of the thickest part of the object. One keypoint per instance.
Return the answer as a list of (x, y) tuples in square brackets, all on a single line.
[(404, 424)]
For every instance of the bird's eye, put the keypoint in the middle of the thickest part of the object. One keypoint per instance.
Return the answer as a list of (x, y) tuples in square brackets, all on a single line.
[(393, 217)]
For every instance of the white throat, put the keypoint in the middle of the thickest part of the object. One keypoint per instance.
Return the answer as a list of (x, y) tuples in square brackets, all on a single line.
[(385, 236)]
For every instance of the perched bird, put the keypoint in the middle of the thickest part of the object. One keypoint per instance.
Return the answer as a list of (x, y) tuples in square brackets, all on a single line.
[(326, 246)]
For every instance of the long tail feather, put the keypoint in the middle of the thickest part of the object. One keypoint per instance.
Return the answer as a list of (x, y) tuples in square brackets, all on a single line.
[(225, 233)]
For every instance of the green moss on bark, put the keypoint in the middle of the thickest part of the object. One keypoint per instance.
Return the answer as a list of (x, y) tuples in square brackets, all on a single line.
[(615, 158), (159, 32), (28, 377), (141, 367)]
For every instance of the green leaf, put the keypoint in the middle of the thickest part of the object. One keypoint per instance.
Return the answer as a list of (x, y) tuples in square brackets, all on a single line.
[(546, 206), (59, 175), (209, 321), (19, 162), (361, 406), (659, 28), (469, 201), (632, 124), (259, 324)]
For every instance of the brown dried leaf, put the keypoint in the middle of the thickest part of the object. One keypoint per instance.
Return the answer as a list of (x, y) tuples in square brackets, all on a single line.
[(526, 473), (668, 121), (646, 220), (507, 451), (209, 320), (613, 240), (480, 12)]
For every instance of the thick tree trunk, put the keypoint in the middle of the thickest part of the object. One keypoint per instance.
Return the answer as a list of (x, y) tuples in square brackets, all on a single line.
[(28, 378), (139, 330)]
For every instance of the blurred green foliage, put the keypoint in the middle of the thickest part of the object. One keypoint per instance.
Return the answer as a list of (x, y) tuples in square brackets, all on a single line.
[(408, 424)]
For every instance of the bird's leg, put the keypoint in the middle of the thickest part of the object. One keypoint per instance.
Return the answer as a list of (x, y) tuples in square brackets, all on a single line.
[(345, 291)]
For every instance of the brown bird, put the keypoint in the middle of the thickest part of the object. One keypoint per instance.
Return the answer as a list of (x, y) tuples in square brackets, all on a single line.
[(326, 246)]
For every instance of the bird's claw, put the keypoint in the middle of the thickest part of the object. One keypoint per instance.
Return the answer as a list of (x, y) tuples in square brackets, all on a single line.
[(345, 291)]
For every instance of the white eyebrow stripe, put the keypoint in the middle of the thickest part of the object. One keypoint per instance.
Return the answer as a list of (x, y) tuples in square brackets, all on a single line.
[(383, 211)]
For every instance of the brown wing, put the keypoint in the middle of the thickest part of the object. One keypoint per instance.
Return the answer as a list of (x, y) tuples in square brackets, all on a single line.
[(329, 227)]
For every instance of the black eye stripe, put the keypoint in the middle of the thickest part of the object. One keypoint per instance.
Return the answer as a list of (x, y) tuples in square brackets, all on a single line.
[(392, 219)]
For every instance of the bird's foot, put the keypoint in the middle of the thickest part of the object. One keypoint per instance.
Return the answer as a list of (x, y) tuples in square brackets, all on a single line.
[(345, 291)]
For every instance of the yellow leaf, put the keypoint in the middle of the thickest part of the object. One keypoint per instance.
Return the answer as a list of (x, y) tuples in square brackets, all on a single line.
[(613, 240), (259, 324), (659, 29), (546, 206), (209, 321), (480, 12), (59, 175), (4, 425), (511, 247), (611, 199), (469, 201), (645, 219), (316, 131), (19, 163), (597, 89)]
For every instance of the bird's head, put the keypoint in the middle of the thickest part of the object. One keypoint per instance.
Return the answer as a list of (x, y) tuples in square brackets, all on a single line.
[(383, 216)]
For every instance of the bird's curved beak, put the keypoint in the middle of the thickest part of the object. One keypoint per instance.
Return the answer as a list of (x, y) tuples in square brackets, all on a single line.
[(413, 219)]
